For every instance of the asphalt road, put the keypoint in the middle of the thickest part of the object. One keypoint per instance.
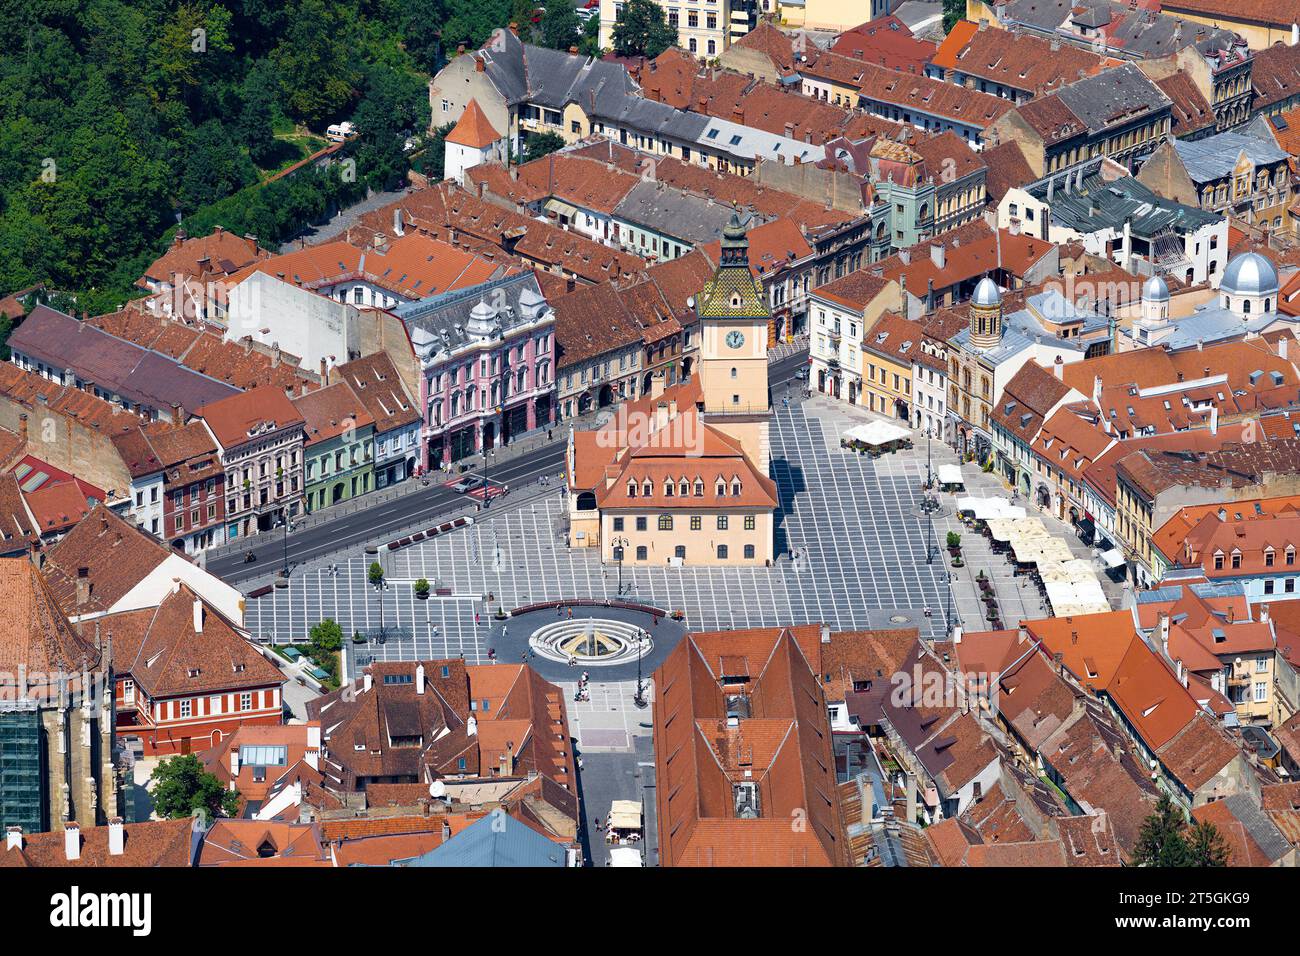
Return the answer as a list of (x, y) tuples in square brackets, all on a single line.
[(421, 508)]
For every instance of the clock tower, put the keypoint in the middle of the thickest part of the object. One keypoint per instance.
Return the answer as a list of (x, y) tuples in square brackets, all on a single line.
[(733, 348)]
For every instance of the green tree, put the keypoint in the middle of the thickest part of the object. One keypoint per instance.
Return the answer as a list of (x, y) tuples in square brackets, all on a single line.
[(6, 329), (642, 30), (422, 24), (433, 159), (325, 638), (953, 11), (1161, 842), (537, 145), (589, 45), (560, 26), (315, 59), (180, 787), (259, 97), (1206, 846), (376, 573), (394, 107)]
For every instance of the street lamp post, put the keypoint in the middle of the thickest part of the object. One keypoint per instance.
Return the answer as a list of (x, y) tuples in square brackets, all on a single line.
[(639, 699), (288, 526), (619, 545)]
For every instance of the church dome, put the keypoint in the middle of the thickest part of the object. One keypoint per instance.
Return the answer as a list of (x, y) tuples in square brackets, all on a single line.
[(1249, 274), (986, 293), (1155, 290)]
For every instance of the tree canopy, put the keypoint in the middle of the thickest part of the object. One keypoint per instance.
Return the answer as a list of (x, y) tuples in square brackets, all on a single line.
[(182, 788), (122, 118), (1166, 839), (642, 30)]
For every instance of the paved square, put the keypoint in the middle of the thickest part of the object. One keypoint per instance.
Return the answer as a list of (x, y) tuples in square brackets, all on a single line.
[(860, 563)]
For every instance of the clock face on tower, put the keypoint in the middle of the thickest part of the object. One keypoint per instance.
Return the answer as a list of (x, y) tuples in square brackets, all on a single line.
[(735, 339)]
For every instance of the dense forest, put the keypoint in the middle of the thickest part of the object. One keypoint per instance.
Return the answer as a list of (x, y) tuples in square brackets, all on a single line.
[(120, 119)]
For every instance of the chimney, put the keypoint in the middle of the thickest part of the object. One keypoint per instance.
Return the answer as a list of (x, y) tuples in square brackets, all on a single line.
[(13, 838), (1096, 391), (198, 616), (911, 798), (826, 633), (419, 678), (478, 64), (366, 682), (937, 254), (381, 243), (234, 766), (1162, 628), (471, 726), (1214, 419), (116, 837), (312, 757), (1281, 353), (398, 228), (324, 371), (83, 586), (1058, 366), (71, 841)]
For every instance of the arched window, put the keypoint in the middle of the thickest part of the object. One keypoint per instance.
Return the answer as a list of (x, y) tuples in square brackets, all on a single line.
[(587, 501), (1245, 306), (665, 522)]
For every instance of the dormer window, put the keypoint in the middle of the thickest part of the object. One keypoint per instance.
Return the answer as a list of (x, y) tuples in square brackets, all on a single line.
[(647, 489), (699, 488), (735, 488), (631, 489), (1218, 560), (668, 487), (683, 489), (1268, 557), (722, 488)]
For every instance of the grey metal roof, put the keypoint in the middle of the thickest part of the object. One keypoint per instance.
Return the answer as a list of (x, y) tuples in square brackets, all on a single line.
[(1112, 96), (443, 324), (1132, 33), (1258, 825), (672, 212), (1082, 200), (1020, 330), (1215, 156), (497, 840)]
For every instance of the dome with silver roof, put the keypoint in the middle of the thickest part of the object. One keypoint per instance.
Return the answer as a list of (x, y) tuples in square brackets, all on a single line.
[(1249, 274), (986, 293), (1155, 290)]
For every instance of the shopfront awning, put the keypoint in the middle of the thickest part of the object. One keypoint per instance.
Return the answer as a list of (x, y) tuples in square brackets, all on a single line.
[(625, 815), (1112, 558), (950, 475), (560, 208)]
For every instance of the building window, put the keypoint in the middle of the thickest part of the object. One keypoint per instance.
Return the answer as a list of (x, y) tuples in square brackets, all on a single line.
[(749, 552), (722, 552), (696, 523), (186, 708), (749, 522), (665, 522), (618, 524), (640, 524), (246, 701), (722, 522)]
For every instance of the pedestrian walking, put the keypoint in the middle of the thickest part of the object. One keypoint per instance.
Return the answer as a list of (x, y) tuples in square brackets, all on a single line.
[(476, 620)]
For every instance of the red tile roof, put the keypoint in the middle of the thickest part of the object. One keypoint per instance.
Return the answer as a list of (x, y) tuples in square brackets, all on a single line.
[(473, 129)]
